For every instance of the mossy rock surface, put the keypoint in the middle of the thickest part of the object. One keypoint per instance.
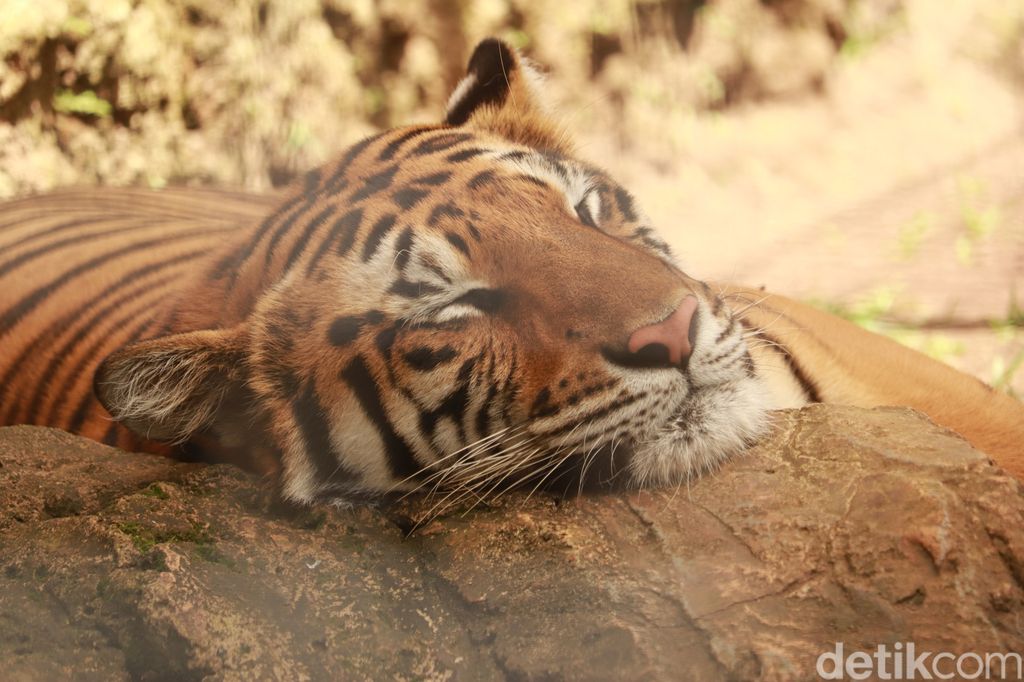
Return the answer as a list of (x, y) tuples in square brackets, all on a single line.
[(845, 525)]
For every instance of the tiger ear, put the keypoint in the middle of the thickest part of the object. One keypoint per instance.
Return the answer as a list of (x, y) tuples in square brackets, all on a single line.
[(502, 93), (172, 387)]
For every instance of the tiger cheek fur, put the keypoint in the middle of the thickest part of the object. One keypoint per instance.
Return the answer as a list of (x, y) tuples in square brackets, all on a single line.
[(452, 306)]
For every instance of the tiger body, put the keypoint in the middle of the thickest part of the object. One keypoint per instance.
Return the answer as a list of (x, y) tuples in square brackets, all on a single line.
[(85, 272), (461, 304)]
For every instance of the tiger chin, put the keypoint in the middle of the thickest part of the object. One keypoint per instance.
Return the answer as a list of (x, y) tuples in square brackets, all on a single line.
[(464, 307)]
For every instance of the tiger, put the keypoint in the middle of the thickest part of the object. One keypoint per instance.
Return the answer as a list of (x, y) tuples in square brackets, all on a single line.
[(462, 306)]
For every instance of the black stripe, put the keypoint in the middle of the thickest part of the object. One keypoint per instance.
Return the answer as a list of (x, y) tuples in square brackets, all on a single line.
[(283, 380), (659, 246), (433, 180), (392, 147), (311, 180), (45, 249), (533, 180), (480, 179), (445, 210), (345, 328), (439, 143), (454, 406), (617, 404), (377, 182), (725, 331), (57, 357), (427, 261), (606, 206), (542, 406), (481, 416), (385, 340), (811, 390), (337, 179), (316, 434), (285, 227), (403, 248), (409, 197), (424, 359), (583, 213), (111, 436), (344, 227), (517, 155), (465, 154), (473, 230), (349, 224), (231, 263), (13, 315), (408, 289), (625, 203), (399, 454), (57, 326), (318, 220), (458, 242), (380, 229), (61, 227), (555, 164)]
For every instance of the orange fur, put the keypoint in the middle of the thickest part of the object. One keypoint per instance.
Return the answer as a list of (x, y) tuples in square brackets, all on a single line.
[(325, 334), (851, 366)]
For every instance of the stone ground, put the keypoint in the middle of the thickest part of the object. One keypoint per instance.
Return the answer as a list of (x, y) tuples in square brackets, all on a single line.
[(847, 525)]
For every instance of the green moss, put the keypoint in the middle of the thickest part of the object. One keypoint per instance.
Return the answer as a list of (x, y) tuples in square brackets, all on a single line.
[(156, 491), (207, 552), (145, 537)]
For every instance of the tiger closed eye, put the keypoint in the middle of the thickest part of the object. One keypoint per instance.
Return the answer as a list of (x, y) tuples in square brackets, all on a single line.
[(485, 300)]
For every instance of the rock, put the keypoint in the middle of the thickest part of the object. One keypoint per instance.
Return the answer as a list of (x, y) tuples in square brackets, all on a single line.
[(853, 526)]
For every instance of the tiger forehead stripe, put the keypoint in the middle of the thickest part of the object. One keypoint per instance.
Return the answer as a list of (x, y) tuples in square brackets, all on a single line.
[(577, 182), (291, 219)]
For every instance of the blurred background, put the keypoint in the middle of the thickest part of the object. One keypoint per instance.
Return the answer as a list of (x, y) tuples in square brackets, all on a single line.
[(863, 155)]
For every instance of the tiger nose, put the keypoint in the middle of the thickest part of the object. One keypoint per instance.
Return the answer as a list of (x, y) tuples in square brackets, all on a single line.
[(673, 336)]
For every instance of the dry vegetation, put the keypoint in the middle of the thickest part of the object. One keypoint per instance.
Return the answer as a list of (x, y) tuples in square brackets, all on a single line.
[(860, 152)]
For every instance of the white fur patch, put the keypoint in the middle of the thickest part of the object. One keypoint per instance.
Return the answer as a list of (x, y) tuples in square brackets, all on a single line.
[(572, 180), (160, 391)]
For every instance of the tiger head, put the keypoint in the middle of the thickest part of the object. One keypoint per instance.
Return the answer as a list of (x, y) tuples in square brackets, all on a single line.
[(464, 305)]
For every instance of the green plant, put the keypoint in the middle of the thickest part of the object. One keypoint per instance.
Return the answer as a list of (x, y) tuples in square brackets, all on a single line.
[(913, 234), (86, 103)]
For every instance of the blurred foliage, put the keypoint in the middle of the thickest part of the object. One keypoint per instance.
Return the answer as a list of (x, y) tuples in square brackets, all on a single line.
[(68, 102), (251, 92), (869, 310)]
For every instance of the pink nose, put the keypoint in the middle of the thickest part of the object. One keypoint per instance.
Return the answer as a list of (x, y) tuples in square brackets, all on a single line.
[(675, 333)]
